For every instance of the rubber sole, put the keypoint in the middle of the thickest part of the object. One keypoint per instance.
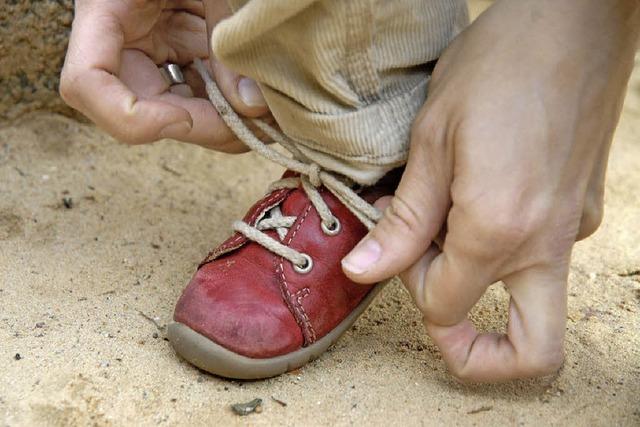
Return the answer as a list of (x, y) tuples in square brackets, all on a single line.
[(211, 357)]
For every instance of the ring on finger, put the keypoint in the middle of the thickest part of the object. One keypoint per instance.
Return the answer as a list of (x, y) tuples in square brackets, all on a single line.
[(172, 74)]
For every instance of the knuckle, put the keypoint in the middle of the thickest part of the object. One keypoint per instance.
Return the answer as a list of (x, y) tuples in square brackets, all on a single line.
[(541, 363), (430, 313), (460, 372), (420, 128), (400, 216), (509, 227), (129, 128), (437, 310), (67, 89), (424, 128), (131, 135), (422, 304), (504, 230), (591, 220)]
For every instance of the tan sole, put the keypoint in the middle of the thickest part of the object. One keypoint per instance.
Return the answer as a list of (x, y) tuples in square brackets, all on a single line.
[(211, 357)]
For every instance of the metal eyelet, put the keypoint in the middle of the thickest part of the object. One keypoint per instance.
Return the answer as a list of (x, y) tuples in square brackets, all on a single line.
[(308, 265), (333, 229)]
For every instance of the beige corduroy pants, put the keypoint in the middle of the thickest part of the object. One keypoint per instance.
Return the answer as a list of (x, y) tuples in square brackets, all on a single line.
[(343, 78)]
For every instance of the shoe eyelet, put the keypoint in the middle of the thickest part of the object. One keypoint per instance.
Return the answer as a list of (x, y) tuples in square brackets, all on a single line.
[(333, 229), (308, 265)]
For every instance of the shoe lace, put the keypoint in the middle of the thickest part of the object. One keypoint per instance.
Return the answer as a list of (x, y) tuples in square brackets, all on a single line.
[(311, 178)]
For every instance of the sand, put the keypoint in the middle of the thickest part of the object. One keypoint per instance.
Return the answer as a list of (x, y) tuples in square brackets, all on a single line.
[(87, 289)]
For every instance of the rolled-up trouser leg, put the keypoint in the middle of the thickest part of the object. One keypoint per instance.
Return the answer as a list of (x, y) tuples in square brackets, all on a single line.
[(343, 78)]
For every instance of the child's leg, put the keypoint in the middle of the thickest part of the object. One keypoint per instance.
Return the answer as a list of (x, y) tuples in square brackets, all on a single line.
[(343, 78)]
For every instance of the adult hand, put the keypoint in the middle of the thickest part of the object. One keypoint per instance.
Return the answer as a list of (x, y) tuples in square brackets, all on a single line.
[(507, 164), (111, 72)]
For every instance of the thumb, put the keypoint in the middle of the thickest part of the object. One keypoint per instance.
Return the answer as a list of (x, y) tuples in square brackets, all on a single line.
[(411, 220)]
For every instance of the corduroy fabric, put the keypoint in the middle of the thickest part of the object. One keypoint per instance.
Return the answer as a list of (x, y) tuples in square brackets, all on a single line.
[(343, 78)]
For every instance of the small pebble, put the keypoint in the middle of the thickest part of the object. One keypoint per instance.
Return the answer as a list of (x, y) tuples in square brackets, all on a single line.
[(243, 409)]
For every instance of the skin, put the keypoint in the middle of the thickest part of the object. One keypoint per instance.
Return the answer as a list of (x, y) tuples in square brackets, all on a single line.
[(506, 168), (506, 171), (116, 47)]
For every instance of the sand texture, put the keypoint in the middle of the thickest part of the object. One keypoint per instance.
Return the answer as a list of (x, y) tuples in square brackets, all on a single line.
[(98, 239)]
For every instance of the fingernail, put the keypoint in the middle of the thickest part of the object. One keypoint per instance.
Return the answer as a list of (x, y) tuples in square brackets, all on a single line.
[(250, 93), (175, 130), (363, 256)]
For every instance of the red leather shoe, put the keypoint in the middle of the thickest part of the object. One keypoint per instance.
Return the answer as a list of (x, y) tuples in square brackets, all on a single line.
[(250, 312), (273, 296)]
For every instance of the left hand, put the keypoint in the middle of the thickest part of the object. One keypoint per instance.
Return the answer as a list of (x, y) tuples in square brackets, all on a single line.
[(508, 156), (111, 72)]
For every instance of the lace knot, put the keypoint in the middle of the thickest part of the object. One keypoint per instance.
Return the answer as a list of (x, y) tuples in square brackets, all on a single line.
[(314, 175)]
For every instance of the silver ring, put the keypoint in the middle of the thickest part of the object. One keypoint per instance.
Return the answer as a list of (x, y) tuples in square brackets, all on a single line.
[(172, 73)]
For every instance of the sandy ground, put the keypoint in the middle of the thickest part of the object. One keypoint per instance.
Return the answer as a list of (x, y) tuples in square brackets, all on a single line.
[(85, 293)]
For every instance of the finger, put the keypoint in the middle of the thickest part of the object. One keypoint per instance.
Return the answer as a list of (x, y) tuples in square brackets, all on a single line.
[(593, 205), (186, 36), (215, 11), (411, 221), (146, 81), (95, 44), (533, 345), (89, 84), (127, 118), (182, 90), (195, 7), (413, 277), (208, 129), (233, 87), (178, 36), (195, 82), (449, 284), (243, 93)]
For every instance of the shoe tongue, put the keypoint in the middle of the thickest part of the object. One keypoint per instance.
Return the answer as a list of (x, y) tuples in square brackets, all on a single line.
[(294, 203)]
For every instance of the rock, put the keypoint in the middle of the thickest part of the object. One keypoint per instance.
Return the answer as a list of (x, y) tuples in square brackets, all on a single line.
[(33, 39)]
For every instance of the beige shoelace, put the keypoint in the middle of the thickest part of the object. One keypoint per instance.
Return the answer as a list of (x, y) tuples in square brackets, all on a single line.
[(311, 178)]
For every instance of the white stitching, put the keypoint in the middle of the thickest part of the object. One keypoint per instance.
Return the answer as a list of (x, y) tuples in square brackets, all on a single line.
[(304, 217), (260, 208), (297, 308)]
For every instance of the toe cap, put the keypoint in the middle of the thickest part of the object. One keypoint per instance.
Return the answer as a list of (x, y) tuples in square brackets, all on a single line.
[(238, 305)]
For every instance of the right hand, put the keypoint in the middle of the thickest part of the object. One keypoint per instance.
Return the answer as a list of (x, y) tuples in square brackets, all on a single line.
[(111, 72), (506, 171)]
